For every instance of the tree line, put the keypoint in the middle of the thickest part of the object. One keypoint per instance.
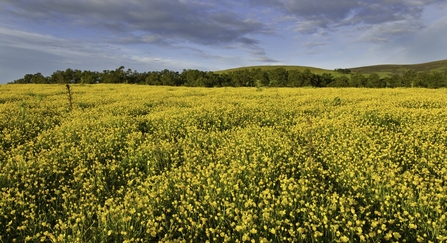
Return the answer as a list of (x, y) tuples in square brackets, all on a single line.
[(255, 77)]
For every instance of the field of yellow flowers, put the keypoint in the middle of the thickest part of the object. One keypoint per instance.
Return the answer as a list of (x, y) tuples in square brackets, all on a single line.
[(134, 163)]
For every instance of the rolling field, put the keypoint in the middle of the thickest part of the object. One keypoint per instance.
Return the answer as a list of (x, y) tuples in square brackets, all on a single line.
[(288, 68), (384, 70), (131, 163)]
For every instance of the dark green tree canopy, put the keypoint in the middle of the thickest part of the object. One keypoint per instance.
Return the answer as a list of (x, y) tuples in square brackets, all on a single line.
[(255, 77)]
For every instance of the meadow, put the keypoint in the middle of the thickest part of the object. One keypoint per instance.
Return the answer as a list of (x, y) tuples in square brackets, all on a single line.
[(129, 163), (383, 70)]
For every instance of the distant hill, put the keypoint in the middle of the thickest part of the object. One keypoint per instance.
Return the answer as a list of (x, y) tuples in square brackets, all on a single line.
[(383, 70), (439, 66), (301, 68), (288, 68)]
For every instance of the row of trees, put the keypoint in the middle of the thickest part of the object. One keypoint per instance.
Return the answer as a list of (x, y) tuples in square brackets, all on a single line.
[(256, 77)]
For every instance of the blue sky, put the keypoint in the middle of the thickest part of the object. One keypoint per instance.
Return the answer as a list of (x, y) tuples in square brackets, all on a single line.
[(151, 35)]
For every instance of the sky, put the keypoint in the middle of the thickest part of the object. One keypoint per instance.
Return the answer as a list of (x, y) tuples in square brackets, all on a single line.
[(151, 35)]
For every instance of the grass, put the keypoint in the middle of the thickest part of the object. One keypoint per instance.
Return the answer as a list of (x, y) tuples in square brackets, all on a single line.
[(288, 68), (382, 70), (439, 66)]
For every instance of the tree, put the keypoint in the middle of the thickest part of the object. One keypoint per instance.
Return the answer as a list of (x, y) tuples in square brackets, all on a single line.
[(444, 79), (435, 80), (38, 78), (392, 81), (374, 81), (342, 70), (211, 79), (58, 77), (358, 80), (240, 78), (140, 78), (153, 78), (259, 77), (307, 78), (278, 77), (120, 75), (28, 78), (170, 78), (326, 78), (89, 77), (224, 80), (191, 77), (341, 81), (69, 75), (115, 76), (408, 79), (294, 78)]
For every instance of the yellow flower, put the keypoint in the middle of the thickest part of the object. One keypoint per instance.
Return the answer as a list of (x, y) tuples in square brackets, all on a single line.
[(245, 237), (388, 236), (396, 235), (344, 238)]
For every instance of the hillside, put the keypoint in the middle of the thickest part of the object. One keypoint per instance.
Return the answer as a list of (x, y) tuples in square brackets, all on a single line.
[(288, 68), (439, 66), (382, 70)]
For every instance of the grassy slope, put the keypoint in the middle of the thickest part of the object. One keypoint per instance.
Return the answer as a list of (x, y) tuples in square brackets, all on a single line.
[(382, 70), (385, 70), (301, 68)]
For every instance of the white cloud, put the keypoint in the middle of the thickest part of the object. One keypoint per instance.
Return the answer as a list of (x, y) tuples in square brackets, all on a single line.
[(390, 31), (44, 36), (314, 44), (429, 44), (48, 44)]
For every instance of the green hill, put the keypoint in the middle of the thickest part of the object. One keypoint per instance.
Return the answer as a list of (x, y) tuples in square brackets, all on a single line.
[(301, 68), (439, 66), (383, 70)]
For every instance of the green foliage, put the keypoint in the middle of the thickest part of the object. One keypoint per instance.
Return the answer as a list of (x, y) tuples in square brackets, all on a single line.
[(336, 102), (342, 70), (385, 70), (358, 80), (265, 76), (278, 77), (341, 81)]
